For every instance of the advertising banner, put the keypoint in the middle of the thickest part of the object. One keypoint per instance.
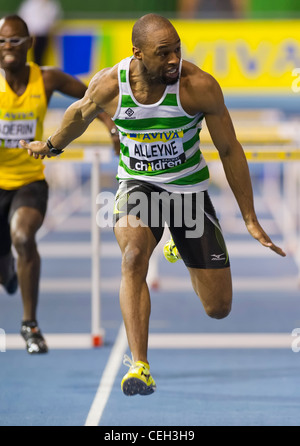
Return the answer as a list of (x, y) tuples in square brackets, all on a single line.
[(260, 57)]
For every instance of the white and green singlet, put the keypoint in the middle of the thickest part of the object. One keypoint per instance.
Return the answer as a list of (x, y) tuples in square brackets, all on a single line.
[(159, 142)]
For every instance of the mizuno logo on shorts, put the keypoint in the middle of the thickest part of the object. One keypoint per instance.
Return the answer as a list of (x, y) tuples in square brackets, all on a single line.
[(218, 256)]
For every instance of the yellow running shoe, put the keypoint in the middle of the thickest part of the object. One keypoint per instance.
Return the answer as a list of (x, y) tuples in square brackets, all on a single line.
[(171, 252), (138, 379)]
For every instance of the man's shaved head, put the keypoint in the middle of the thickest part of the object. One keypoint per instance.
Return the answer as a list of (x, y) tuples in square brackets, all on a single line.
[(15, 18), (156, 48), (145, 26)]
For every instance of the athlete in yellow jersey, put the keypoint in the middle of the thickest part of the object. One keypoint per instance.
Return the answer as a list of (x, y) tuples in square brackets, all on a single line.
[(25, 90)]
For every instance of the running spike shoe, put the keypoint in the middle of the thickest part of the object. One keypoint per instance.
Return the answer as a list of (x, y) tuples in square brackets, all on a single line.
[(171, 252), (35, 342), (138, 379)]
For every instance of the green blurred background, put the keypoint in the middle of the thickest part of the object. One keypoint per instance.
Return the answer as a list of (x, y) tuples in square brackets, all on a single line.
[(133, 8)]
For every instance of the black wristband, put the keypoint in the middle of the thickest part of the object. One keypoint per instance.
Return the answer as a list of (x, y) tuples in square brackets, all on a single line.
[(52, 149)]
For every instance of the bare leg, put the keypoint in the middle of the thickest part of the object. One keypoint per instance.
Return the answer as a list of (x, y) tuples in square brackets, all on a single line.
[(214, 288), (24, 225), (137, 245)]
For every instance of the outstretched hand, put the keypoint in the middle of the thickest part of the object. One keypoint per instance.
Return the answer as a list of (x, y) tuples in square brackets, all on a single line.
[(259, 234), (37, 149)]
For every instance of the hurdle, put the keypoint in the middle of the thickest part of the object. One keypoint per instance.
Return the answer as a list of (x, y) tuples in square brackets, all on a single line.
[(288, 197), (264, 141), (95, 148)]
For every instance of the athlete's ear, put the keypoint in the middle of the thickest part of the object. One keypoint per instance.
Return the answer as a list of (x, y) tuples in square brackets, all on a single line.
[(137, 53)]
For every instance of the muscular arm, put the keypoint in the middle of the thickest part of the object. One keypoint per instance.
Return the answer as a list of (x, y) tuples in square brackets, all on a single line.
[(80, 114), (231, 153), (75, 121)]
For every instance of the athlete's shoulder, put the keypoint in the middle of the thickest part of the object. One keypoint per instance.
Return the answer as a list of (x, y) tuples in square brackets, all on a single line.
[(109, 75), (49, 71), (57, 80), (199, 90), (52, 76), (104, 86), (192, 75)]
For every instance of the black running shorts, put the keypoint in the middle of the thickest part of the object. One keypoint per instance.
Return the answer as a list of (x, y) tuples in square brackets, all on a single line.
[(33, 195), (191, 219)]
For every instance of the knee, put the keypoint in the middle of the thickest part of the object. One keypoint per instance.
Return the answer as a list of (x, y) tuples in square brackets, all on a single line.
[(134, 261), (219, 311), (24, 244)]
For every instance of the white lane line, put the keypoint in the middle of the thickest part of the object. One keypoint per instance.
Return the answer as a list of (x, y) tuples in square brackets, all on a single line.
[(107, 379)]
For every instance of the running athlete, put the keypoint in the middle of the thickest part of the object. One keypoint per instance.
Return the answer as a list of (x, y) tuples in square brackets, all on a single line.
[(24, 94), (158, 101)]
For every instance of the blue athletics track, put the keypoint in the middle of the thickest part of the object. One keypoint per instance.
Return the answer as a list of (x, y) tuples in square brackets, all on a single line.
[(239, 371)]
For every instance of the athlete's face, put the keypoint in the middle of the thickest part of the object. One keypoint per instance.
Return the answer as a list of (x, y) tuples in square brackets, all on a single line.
[(13, 57), (161, 56)]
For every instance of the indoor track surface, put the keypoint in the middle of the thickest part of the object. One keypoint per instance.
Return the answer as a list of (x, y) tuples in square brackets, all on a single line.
[(239, 371)]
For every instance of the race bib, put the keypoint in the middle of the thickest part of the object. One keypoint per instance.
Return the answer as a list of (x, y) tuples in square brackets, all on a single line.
[(12, 131), (154, 152)]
